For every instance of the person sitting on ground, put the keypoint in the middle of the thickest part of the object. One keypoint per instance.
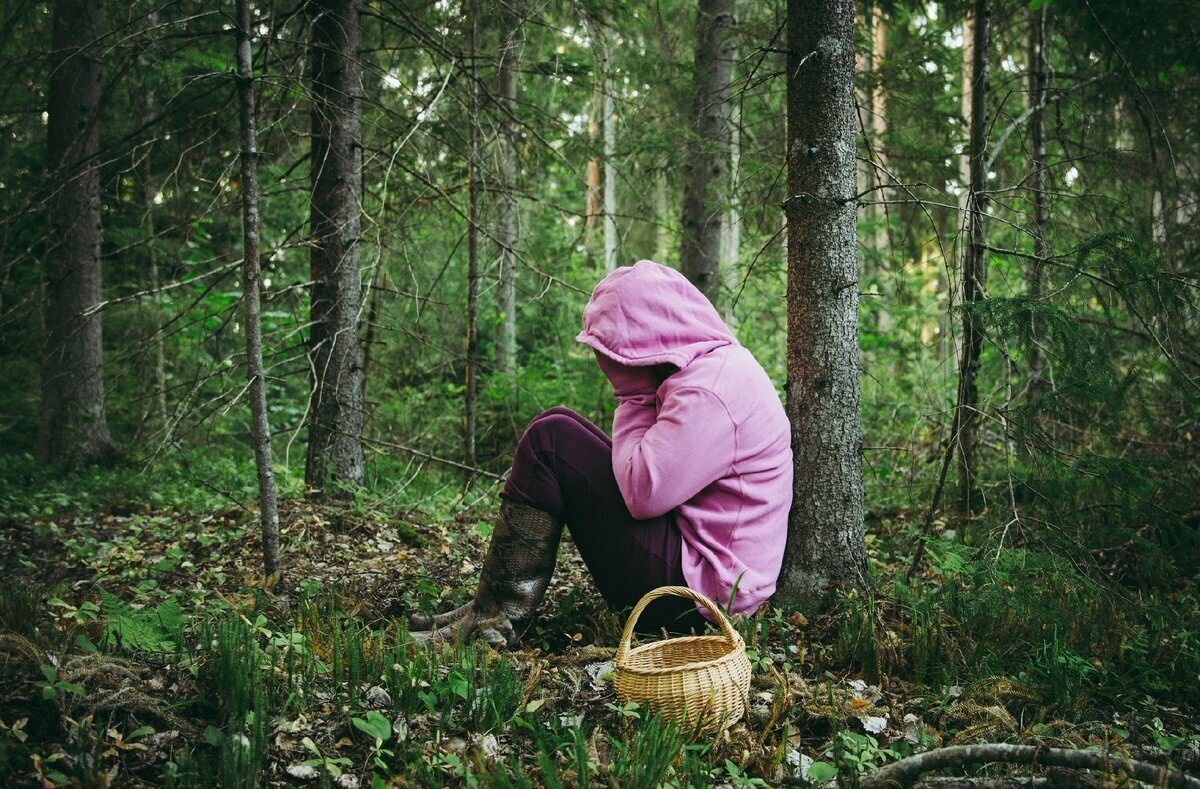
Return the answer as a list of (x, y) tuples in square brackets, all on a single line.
[(692, 489)]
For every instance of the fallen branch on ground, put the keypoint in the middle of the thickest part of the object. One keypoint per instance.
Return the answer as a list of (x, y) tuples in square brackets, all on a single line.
[(906, 772)]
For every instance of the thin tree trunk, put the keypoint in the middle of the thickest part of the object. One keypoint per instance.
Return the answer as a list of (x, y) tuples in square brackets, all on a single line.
[(506, 232), (73, 424), (731, 230), (375, 289), (157, 401), (968, 90), (662, 212), (880, 237), (472, 362), (707, 163), (260, 427), (1037, 145), (335, 455), (826, 548), (610, 170), (974, 274), (593, 209)]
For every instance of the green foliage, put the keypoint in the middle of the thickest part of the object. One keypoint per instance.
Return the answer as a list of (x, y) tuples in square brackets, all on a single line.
[(235, 675), (465, 685), (156, 629), (646, 752)]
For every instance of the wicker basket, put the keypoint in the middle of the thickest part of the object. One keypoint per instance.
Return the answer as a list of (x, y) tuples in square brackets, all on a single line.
[(699, 681)]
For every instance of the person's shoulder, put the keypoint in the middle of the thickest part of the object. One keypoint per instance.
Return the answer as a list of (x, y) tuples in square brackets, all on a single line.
[(730, 374)]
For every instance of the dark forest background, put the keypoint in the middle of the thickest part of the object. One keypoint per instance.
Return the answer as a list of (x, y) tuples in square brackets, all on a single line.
[(440, 185)]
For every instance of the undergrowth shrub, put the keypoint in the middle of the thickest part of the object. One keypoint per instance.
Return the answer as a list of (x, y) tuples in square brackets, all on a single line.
[(1076, 641)]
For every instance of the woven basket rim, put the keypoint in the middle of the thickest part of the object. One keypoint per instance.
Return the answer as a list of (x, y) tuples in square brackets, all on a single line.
[(735, 648)]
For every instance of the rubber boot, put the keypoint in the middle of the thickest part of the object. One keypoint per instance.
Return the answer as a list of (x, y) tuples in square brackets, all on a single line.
[(516, 573)]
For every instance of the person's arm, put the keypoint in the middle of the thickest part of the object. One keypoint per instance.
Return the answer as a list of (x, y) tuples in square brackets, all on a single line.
[(662, 461)]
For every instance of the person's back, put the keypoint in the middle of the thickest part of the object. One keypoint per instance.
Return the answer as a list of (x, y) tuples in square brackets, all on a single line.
[(735, 529)]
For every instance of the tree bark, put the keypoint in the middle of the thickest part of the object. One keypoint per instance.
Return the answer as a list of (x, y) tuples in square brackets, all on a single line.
[(155, 410), (335, 455), (826, 549), (731, 230), (506, 231), (73, 424), (472, 362), (662, 212), (1037, 185), (974, 274), (592, 207), (880, 237), (707, 162), (610, 170), (260, 428)]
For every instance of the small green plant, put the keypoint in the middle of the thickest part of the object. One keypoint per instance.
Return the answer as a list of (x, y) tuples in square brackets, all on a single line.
[(52, 687), (465, 685), (331, 765), (647, 752), (84, 613), (376, 726), (740, 779)]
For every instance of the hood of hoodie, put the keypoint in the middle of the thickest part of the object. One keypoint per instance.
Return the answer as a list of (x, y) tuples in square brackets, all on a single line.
[(648, 314)]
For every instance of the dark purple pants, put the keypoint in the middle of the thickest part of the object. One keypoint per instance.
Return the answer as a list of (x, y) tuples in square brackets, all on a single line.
[(563, 465)]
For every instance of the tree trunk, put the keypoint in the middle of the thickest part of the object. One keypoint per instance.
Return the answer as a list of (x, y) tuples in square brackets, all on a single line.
[(731, 230), (472, 362), (1037, 145), (974, 274), (880, 237), (610, 170), (593, 209), (826, 549), (968, 82), (506, 231), (260, 428), (155, 409), (335, 455), (707, 160), (73, 424), (662, 213)]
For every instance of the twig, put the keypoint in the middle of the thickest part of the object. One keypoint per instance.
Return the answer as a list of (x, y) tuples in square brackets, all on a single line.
[(427, 456)]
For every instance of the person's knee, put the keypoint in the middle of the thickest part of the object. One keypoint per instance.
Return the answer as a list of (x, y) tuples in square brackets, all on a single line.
[(558, 410), (548, 426)]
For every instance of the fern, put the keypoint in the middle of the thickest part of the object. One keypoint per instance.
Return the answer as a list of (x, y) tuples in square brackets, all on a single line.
[(156, 629)]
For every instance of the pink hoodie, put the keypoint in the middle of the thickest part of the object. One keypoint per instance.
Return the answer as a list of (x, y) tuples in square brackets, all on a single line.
[(712, 442)]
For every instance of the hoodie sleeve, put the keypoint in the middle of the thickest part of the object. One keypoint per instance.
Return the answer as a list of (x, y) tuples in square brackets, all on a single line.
[(662, 461)]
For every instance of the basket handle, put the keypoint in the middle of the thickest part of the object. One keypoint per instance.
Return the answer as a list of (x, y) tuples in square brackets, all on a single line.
[(674, 591)]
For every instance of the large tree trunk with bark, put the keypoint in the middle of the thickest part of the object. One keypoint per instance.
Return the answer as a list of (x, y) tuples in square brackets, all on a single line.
[(826, 550), (73, 424), (260, 428), (707, 162), (335, 455), (506, 230), (974, 274)]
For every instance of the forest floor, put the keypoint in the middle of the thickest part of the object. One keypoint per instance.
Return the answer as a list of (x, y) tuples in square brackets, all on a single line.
[(141, 646)]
